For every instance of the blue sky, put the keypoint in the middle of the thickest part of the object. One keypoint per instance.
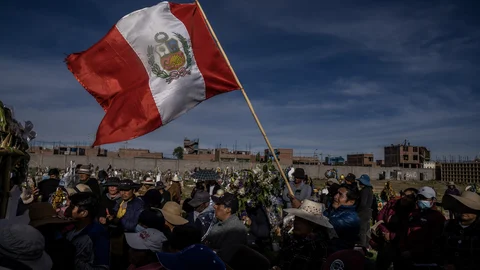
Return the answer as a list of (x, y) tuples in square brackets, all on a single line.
[(338, 76)]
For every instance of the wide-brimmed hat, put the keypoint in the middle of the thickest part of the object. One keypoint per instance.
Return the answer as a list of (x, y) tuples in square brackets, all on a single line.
[(176, 178), (333, 180), (26, 245), (42, 213), (451, 184), (311, 211), (78, 188), (148, 181), (199, 198), (172, 212), (84, 169), (364, 180), (468, 199), (128, 184), (148, 239), (205, 175), (299, 173), (112, 182)]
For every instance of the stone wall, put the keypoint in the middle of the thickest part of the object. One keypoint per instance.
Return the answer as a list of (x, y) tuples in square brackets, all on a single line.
[(314, 171)]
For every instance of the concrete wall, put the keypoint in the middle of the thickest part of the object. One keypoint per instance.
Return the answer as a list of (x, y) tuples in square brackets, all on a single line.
[(314, 171)]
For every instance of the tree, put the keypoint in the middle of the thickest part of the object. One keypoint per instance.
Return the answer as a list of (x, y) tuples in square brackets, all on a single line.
[(178, 152)]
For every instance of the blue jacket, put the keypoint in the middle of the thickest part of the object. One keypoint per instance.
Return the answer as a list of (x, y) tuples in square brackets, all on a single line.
[(203, 221), (130, 220), (346, 223)]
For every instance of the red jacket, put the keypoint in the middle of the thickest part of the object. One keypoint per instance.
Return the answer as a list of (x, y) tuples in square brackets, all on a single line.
[(423, 227), (386, 214)]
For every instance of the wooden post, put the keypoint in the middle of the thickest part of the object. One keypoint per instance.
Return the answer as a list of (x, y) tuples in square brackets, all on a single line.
[(5, 169), (246, 99)]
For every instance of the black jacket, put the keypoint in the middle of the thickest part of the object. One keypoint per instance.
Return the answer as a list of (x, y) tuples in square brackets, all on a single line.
[(94, 186)]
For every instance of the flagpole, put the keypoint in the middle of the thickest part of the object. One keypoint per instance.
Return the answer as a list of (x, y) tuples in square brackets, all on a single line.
[(246, 99)]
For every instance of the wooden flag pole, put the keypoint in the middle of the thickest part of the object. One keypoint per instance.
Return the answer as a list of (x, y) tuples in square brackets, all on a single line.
[(246, 99)]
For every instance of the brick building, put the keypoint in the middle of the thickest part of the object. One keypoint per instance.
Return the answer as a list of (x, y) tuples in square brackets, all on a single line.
[(365, 160), (284, 155), (406, 156), (82, 150)]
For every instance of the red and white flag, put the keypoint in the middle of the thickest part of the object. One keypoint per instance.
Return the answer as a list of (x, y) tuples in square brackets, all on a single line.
[(154, 65)]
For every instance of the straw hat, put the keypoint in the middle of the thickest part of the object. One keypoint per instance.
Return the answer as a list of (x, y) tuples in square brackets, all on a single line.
[(311, 211), (78, 188), (175, 178), (172, 212), (468, 199), (148, 181), (451, 184), (84, 169)]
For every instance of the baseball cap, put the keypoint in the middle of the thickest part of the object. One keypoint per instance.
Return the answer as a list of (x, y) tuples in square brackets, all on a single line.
[(193, 257), (229, 200), (427, 192), (148, 239), (200, 197)]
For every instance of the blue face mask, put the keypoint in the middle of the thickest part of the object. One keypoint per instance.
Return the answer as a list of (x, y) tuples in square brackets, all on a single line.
[(424, 204), (139, 228)]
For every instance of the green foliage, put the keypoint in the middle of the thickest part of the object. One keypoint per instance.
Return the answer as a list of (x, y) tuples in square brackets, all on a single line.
[(178, 152), (154, 66)]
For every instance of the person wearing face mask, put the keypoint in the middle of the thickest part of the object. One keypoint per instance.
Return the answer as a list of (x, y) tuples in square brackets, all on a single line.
[(425, 224)]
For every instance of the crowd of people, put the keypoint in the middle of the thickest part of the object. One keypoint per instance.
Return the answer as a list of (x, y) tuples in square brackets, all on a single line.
[(111, 223)]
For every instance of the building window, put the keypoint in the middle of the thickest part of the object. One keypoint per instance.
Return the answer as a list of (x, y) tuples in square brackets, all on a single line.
[(405, 148), (415, 157), (405, 157), (415, 149)]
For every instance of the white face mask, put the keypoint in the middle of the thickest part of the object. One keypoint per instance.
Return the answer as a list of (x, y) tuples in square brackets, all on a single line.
[(424, 204)]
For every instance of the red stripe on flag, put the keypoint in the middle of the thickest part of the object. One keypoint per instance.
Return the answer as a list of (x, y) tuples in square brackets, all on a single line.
[(215, 71), (112, 72)]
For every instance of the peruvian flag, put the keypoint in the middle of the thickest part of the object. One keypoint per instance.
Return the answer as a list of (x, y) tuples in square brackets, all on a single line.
[(154, 65)]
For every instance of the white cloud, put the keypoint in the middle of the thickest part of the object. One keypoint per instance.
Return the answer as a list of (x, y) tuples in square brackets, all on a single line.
[(336, 115)]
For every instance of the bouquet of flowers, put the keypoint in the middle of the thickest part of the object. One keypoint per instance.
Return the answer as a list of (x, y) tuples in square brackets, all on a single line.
[(260, 186)]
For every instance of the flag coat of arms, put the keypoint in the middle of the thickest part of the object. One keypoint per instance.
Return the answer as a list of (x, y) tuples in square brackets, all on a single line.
[(154, 65)]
